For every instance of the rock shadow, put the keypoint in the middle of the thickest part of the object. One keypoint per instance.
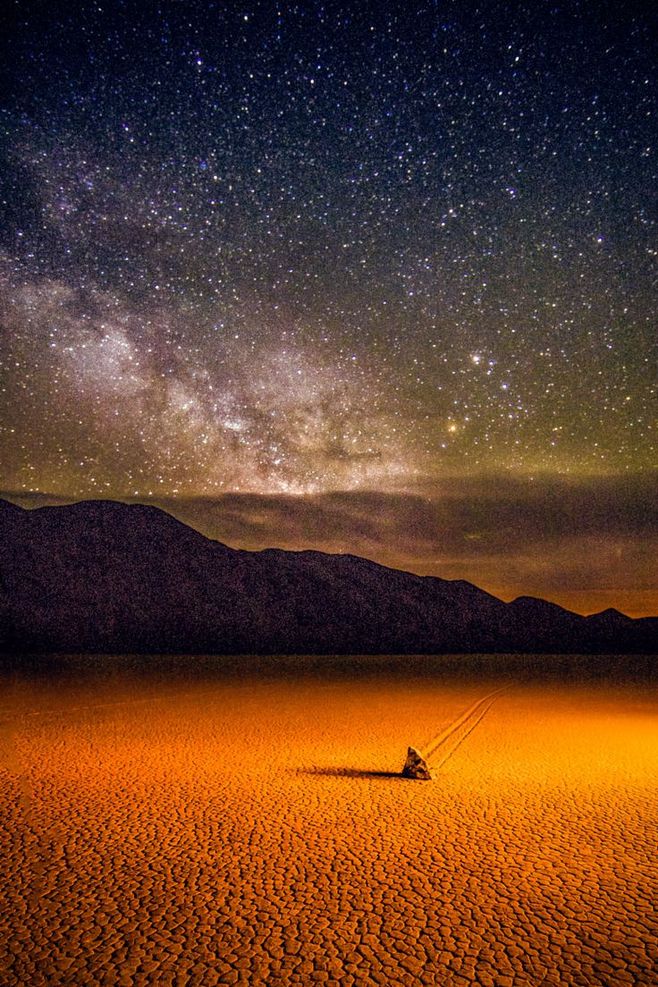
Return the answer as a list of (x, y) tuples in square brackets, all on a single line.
[(339, 772)]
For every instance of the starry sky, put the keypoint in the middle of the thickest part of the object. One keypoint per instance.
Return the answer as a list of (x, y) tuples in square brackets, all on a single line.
[(365, 277)]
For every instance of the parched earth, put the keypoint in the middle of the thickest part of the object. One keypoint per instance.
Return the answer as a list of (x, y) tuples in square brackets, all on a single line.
[(235, 829)]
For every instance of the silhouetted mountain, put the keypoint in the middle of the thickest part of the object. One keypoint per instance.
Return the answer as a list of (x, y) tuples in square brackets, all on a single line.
[(104, 576)]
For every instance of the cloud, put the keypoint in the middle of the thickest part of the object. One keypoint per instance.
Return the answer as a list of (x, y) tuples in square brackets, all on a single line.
[(587, 543), (573, 540), (487, 514)]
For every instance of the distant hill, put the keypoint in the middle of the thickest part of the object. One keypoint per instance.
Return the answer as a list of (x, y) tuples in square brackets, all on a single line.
[(102, 576)]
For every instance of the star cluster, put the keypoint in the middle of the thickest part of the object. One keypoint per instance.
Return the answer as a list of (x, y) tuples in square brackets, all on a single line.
[(313, 247)]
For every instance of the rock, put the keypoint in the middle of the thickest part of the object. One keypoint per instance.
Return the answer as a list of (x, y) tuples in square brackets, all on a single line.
[(415, 766)]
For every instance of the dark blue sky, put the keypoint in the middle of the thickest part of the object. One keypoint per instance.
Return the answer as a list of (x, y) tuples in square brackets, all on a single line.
[(294, 249)]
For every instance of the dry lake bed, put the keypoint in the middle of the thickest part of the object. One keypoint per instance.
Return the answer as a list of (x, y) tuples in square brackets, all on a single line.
[(243, 821)]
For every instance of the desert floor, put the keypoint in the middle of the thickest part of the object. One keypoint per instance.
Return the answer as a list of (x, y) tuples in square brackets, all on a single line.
[(221, 822)]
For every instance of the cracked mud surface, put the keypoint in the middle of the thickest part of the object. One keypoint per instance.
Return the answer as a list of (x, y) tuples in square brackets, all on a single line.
[(230, 829)]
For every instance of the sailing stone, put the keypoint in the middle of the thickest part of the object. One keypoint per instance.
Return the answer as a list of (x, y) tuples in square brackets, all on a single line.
[(416, 766)]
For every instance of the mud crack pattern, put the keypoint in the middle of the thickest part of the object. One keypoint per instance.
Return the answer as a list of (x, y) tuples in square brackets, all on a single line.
[(255, 832)]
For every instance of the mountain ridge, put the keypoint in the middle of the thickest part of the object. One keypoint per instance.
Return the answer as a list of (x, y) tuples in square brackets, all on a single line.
[(104, 576)]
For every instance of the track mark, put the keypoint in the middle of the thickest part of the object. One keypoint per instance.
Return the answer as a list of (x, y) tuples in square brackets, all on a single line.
[(459, 730)]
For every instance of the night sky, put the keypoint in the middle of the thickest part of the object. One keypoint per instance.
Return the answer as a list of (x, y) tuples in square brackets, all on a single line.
[(366, 277)]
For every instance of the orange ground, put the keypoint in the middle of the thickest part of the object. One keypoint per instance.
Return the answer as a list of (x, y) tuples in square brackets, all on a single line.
[(231, 830)]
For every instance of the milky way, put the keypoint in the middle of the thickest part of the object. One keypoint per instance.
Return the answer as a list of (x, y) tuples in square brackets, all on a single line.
[(300, 249)]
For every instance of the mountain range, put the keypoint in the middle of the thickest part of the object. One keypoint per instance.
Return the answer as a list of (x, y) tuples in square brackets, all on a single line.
[(102, 576)]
